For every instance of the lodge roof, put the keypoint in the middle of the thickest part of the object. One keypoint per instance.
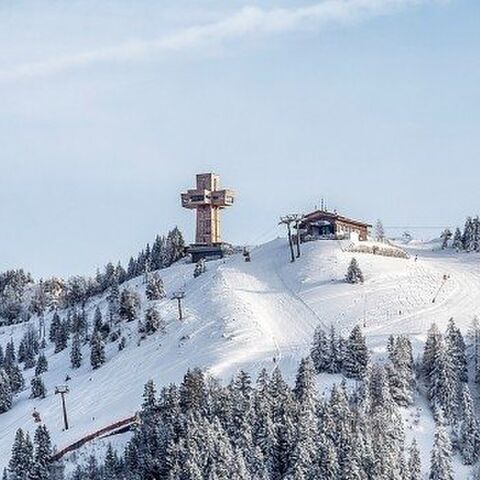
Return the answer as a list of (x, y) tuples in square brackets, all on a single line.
[(322, 214)]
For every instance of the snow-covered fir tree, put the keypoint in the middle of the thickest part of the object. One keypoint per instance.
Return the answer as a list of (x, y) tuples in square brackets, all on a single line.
[(469, 430), (113, 299), (42, 364), (446, 236), (21, 460), (155, 290), (456, 349), (76, 352), (79, 323), (457, 242), (354, 273), (97, 320), (12, 369), (54, 326), (129, 305), (401, 370), (41, 465), (99, 325), (444, 370), (441, 456), (414, 471), (38, 389), (62, 332), (97, 351), (320, 352), (474, 347), (356, 357), (6, 395), (430, 349), (379, 231), (153, 321)]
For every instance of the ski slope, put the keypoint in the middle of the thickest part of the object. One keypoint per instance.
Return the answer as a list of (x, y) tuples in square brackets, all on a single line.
[(251, 315)]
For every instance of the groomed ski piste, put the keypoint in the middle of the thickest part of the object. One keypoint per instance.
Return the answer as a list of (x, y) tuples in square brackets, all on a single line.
[(241, 315)]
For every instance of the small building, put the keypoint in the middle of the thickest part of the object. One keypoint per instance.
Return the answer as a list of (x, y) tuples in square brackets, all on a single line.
[(322, 224)]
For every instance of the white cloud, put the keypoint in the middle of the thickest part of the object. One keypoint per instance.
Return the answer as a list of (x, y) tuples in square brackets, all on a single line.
[(246, 22)]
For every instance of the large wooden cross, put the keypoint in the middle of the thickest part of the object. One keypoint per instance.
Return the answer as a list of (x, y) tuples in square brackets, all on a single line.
[(207, 199)]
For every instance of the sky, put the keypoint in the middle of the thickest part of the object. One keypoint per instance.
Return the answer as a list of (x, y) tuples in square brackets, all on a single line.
[(108, 110)]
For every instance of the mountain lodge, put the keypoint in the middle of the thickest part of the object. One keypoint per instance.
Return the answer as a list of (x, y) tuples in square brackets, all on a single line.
[(331, 225)]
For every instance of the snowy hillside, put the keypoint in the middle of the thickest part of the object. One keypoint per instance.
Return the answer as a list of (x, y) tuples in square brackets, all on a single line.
[(250, 315)]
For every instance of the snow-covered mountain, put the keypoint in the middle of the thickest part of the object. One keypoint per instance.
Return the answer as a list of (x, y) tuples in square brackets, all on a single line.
[(241, 315)]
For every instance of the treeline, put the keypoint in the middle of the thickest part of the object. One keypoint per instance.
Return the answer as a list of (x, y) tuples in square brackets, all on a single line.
[(20, 296), (262, 430), (73, 329), (467, 240), (443, 373), (267, 430)]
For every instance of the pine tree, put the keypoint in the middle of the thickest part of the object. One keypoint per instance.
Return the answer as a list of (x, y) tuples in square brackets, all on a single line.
[(155, 289), (305, 383), (114, 301), (21, 460), (97, 352), (97, 321), (38, 388), (62, 332), (92, 470), (42, 456), (283, 423), (474, 347), (327, 466), (401, 372), (441, 457), (414, 462), (29, 357), (456, 350), (6, 396), (79, 323), (42, 364), (320, 351), (54, 326), (153, 321), (175, 246), (17, 382), (112, 466), (469, 430), (336, 352), (356, 356), (457, 243), (76, 352), (339, 426), (441, 383), (445, 236), (430, 350), (476, 234), (379, 231), (468, 239), (354, 274), (129, 305)]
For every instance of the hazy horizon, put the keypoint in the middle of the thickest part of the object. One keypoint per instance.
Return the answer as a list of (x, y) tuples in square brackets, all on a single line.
[(109, 110)]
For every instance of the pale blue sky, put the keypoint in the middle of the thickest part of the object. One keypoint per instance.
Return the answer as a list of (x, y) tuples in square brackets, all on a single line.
[(108, 109)]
